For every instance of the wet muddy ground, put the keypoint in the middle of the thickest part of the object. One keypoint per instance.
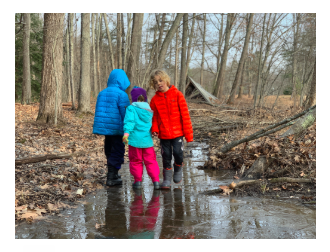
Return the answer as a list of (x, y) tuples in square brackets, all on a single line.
[(182, 212)]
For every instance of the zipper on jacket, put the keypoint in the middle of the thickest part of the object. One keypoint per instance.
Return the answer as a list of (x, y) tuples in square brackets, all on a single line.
[(169, 118)]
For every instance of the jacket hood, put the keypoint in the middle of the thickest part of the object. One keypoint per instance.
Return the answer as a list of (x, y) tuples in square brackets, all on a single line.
[(143, 110), (118, 78)]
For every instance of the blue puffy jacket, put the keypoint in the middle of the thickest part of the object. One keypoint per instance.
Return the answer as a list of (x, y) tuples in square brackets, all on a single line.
[(111, 105), (137, 124)]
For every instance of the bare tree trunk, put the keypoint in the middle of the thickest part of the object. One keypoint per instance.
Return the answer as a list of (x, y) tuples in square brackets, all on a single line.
[(259, 66), (294, 61), (312, 91), (219, 54), (119, 62), (70, 24), (220, 81), (134, 52), (176, 58), (128, 38), (26, 87), (85, 88), (191, 35), (53, 38), (168, 39), (241, 87), (99, 42), (68, 65), (94, 57), (122, 41), (109, 40), (182, 84), (159, 40), (242, 60), (203, 51)]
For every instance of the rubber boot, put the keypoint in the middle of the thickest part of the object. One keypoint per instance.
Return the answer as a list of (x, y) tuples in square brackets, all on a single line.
[(137, 185), (167, 177), (116, 173), (137, 191), (112, 179), (156, 185), (177, 176), (156, 193)]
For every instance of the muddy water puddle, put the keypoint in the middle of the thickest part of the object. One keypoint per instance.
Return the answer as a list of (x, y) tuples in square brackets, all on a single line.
[(182, 212)]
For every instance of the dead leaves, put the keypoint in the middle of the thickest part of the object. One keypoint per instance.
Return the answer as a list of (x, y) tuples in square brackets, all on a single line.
[(225, 190), (97, 226)]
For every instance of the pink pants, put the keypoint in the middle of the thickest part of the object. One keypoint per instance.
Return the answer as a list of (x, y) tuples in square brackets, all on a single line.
[(148, 155), (141, 219)]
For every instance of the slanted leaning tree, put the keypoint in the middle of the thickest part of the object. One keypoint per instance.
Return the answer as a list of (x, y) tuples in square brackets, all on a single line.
[(241, 61), (52, 60)]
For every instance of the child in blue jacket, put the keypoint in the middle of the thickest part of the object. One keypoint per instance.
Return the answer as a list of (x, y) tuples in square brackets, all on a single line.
[(137, 125), (109, 120)]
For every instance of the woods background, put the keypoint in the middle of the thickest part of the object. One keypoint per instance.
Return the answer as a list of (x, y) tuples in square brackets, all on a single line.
[(70, 56)]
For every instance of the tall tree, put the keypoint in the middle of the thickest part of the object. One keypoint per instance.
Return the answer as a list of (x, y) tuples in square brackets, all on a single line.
[(222, 71), (51, 68), (167, 40), (242, 60), (176, 58), (100, 37), (296, 17), (191, 36), (134, 52), (85, 88), (119, 61), (312, 93), (67, 63), (70, 27), (182, 84), (241, 87), (97, 51), (26, 88), (95, 89), (158, 41), (259, 65), (122, 41), (203, 51), (109, 41), (128, 38)]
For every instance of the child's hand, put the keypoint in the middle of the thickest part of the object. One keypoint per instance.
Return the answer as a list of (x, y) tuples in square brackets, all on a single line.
[(125, 138), (155, 134)]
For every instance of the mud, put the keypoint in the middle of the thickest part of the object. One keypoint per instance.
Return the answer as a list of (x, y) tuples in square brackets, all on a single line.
[(183, 212)]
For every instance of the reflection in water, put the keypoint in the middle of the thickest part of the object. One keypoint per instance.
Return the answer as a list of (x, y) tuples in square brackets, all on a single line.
[(142, 223), (182, 212)]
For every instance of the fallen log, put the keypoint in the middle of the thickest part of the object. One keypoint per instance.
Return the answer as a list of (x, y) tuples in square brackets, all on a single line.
[(273, 180), (266, 131), (301, 124), (42, 158)]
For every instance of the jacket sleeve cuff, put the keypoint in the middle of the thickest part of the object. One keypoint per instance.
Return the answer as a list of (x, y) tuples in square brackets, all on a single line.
[(189, 137)]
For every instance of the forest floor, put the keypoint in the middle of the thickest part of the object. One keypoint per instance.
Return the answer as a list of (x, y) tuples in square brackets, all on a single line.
[(41, 188)]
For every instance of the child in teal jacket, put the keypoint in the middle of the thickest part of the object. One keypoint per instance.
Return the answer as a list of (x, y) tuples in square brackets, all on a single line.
[(137, 135)]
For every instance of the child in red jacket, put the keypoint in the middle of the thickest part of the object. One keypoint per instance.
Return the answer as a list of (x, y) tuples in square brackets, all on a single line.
[(171, 122)]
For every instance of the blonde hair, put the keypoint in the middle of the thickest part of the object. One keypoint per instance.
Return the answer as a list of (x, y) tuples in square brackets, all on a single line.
[(162, 74)]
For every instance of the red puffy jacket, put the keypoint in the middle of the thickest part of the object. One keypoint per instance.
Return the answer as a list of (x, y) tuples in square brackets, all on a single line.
[(171, 116)]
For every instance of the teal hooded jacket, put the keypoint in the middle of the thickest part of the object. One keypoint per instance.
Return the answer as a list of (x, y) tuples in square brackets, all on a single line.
[(137, 124)]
